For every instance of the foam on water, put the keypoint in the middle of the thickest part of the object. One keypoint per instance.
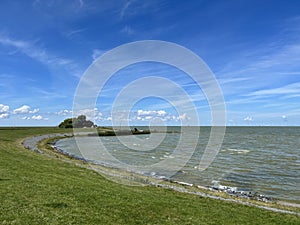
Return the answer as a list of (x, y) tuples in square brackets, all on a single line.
[(239, 151), (260, 159)]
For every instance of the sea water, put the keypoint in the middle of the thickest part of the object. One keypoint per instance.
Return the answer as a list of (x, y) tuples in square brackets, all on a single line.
[(257, 159)]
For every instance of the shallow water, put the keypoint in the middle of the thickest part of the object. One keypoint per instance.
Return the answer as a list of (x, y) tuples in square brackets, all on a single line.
[(259, 159)]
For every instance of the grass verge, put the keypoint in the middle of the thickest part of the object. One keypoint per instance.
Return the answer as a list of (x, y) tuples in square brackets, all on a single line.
[(36, 189)]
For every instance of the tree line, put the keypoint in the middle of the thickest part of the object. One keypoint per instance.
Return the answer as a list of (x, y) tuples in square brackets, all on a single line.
[(78, 122)]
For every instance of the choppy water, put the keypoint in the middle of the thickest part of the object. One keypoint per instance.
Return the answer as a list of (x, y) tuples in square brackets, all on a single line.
[(258, 159)]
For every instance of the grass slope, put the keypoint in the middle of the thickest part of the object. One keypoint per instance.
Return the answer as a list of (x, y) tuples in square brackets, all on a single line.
[(36, 189)]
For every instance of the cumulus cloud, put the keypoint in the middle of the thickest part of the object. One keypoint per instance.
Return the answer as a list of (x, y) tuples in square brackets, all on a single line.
[(4, 115), (89, 113), (103, 118), (25, 109), (143, 115), (4, 111), (64, 112), (34, 117), (4, 108), (93, 115), (139, 115), (284, 117), (183, 117), (37, 117), (22, 110), (146, 115), (141, 112), (248, 118), (34, 111)]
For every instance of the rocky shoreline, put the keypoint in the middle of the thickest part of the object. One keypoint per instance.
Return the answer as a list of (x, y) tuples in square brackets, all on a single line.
[(32, 144)]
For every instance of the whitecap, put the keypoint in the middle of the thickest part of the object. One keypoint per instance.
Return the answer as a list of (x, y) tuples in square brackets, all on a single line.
[(239, 151)]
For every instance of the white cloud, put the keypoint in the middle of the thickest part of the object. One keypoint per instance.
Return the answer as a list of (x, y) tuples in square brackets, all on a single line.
[(4, 111), (133, 8), (34, 111), (161, 112), (92, 114), (4, 108), (127, 30), (124, 8), (34, 117), (37, 117), (143, 115), (141, 112), (25, 109), (15, 43), (64, 112), (71, 33), (146, 115), (285, 90), (97, 53), (184, 117), (89, 113), (284, 118), (22, 110), (248, 118), (102, 118), (4, 115), (31, 50)]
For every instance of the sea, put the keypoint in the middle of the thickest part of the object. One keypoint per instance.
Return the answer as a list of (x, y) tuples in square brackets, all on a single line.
[(264, 160)]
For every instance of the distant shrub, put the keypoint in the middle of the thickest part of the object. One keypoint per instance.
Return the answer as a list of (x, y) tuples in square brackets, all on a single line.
[(78, 122)]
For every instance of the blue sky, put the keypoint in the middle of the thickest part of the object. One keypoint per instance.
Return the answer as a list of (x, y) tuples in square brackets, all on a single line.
[(252, 47)]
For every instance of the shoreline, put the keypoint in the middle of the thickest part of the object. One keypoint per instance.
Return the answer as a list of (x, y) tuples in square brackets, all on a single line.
[(33, 143)]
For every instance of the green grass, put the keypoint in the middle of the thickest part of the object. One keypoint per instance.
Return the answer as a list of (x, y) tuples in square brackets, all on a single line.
[(36, 189)]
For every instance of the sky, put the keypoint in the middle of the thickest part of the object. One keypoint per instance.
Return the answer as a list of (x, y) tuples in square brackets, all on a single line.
[(251, 47)]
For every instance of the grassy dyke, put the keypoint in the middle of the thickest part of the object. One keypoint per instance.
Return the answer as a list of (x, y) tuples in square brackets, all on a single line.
[(36, 189)]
